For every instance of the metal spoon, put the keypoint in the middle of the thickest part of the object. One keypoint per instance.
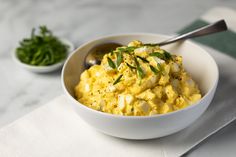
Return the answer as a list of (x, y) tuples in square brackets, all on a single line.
[(96, 53)]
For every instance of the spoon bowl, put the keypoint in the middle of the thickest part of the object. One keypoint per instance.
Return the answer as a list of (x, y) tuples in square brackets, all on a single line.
[(97, 52)]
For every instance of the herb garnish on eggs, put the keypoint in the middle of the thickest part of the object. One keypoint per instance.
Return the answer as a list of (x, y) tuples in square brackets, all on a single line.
[(130, 50), (137, 80)]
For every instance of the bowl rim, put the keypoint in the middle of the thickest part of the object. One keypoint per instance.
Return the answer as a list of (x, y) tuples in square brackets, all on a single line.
[(46, 67), (212, 88)]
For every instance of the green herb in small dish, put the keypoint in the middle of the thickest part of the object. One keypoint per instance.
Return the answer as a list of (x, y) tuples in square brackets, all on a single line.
[(41, 49)]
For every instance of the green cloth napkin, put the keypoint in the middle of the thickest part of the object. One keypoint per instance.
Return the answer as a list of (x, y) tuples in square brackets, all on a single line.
[(224, 42)]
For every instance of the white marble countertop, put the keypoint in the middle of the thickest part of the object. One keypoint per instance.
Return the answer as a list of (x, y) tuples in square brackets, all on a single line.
[(80, 21)]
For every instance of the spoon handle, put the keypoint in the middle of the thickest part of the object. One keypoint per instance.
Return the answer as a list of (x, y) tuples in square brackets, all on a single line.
[(208, 29)]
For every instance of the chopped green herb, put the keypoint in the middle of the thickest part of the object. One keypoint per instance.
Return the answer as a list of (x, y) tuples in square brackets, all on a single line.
[(119, 58), (160, 68), (139, 69), (41, 49), (157, 54), (111, 63), (143, 59), (130, 66), (117, 80), (112, 52), (32, 33), (121, 49), (126, 49), (140, 72), (130, 48), (165, 56), (154, 70), (136, 61)]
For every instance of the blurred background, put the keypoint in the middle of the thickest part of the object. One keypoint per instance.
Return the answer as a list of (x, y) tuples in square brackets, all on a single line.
[(82, 20)]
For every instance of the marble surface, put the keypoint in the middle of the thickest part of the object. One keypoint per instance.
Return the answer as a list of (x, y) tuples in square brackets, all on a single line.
[(80, 21)]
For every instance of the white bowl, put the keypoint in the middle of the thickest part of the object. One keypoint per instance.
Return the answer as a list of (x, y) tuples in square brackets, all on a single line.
[(197, 62), (43, 69)]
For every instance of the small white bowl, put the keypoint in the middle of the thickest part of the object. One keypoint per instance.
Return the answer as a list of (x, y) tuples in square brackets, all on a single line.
[(196, 61), (43, 69)]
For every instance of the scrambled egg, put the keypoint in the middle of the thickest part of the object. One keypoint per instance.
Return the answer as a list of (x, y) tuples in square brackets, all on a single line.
[(137, 80)]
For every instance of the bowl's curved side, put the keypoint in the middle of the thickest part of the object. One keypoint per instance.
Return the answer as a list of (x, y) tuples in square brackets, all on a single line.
[(141, 127)]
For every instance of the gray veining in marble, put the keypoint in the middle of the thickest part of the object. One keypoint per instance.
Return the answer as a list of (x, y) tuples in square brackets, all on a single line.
[(78, 21)]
